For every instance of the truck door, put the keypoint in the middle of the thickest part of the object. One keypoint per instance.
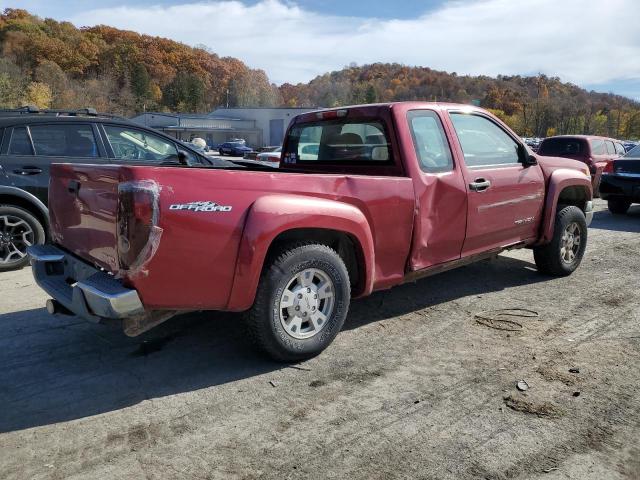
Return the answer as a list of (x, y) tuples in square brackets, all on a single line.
[(505, 197), (441, 197)]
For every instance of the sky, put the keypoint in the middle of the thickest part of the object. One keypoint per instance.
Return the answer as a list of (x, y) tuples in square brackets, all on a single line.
[(592, 43)]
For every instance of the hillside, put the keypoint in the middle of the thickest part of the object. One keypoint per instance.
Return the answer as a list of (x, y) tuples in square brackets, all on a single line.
[(536, 106), (54, 64)]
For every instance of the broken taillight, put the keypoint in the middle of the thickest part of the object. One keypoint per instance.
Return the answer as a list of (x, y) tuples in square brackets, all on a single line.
[(138, 229)]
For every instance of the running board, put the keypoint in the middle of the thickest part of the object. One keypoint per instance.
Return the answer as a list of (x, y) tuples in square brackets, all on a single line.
[(461, 262)]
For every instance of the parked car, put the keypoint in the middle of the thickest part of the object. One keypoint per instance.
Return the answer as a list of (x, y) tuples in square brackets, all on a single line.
[(593, 151), (31, 140), (620, 184), (271, 158), (235, 149), (395, 192), (253, 155)]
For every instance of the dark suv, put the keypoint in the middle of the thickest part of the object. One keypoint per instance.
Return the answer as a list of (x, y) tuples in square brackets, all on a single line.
[(31, 140)]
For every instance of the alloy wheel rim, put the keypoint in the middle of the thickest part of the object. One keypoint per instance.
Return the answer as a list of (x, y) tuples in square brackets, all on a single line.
[(306, 304), (15, 236), (570, 243)]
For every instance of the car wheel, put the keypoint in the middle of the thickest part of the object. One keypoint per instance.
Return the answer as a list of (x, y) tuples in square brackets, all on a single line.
[(19, 229), (618, 206), (301, 304), (563, 254)]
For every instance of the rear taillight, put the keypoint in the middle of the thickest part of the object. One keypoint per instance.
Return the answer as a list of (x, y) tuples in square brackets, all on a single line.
[(138, 231), (608, 169)]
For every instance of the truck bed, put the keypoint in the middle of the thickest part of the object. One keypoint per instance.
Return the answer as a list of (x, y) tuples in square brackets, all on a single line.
[(191, 258)]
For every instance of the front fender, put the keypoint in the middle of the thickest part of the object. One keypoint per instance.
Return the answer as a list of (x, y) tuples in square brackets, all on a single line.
[(558, 181), (272, 215)]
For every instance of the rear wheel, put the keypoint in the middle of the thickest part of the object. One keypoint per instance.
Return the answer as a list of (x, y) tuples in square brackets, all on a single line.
[(618, 205), (19, 229), (563, 254), (301, 304)]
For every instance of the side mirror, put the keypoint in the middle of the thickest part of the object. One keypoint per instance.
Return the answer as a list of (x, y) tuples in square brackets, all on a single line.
[(183, 157), (526, 158)]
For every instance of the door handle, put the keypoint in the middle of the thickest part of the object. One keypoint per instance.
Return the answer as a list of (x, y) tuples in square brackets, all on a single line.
[(28, 171), (479, 185)]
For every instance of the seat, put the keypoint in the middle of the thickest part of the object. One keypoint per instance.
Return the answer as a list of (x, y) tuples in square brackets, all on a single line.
[(79, 146)]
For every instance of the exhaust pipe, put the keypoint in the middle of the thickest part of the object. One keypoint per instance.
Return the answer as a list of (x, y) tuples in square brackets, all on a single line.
[(54, 307)]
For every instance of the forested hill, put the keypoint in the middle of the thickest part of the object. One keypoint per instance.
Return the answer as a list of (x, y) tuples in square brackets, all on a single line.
[(54, 64), (535, 106)]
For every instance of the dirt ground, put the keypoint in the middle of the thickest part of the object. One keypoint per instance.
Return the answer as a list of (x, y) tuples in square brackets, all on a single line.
[(420, 384)]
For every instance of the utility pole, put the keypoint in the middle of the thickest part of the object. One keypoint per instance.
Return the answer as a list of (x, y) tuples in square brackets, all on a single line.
[(227, 98)]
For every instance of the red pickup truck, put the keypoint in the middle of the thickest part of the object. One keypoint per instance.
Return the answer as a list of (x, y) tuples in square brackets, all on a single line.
[(367, 197)]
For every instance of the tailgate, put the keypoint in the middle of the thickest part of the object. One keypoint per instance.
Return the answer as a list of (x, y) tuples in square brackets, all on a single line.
[(83, 203)]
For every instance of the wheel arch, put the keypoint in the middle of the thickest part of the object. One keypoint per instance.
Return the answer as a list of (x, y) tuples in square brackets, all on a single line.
[(20, 198), (566, 187), (276, 221)]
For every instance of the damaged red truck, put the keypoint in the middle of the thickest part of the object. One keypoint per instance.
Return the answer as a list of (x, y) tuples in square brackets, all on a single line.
[(367, 197)]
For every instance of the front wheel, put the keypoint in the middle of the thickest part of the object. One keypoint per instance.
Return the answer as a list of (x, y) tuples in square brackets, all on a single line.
[(618, 206), (19, 229), (563, 254), (301, 304)]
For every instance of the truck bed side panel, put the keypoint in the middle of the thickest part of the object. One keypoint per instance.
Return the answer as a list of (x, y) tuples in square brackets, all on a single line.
[(194, 264)]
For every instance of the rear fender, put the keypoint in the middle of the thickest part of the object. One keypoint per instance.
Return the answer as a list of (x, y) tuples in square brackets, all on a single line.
[(272, 215), (559, 180)]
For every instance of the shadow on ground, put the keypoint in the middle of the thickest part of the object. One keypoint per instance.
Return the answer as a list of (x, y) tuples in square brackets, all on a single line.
[(60, 369), (630, 222)]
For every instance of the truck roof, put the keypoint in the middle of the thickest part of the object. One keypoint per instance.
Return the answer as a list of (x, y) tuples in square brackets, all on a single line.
[(312, 116)]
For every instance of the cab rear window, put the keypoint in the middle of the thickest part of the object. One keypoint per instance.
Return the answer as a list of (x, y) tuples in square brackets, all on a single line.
[(338, 142)]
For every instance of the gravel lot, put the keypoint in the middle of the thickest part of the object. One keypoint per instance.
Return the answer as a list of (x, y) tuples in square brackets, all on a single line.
[(416, 386)]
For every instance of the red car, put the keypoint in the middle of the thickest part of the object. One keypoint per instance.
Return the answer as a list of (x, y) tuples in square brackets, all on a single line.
[(595, 152), (367, 197)]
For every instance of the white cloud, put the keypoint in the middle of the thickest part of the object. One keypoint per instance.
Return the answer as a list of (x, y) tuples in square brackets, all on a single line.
[(582, 41)]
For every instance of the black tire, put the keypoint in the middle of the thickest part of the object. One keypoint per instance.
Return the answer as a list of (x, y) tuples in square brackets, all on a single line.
[(551, 259), (11, 238), (267, 318), (618, 205)]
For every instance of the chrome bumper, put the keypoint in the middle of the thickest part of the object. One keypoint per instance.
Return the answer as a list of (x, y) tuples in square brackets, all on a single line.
[(81, 288), (588, 212)]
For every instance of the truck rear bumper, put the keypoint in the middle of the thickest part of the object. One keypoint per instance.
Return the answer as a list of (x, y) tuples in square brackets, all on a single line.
[(81, 288)]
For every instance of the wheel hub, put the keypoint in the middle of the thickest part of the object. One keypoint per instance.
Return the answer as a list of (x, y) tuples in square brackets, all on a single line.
[(570, 243), (307, 303), (15, 236)]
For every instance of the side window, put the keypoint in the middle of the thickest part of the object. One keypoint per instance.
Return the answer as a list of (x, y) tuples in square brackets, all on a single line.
[(64, 140), (138, 145), (429, 141), (20, 142), (597, 147), (620, 149), (483, 142), (611, 149)]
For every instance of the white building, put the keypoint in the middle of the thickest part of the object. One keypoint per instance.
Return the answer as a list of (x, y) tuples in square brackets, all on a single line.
[(259, 127)]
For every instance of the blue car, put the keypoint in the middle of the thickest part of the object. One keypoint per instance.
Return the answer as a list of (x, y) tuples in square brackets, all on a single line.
[(235, 149)]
